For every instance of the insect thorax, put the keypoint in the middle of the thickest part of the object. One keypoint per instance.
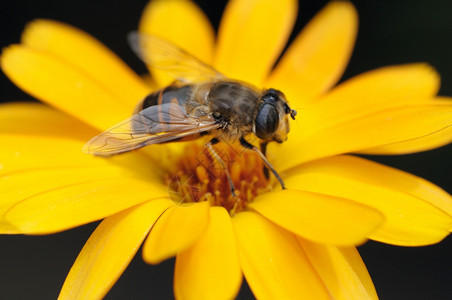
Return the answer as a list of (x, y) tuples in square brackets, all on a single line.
[(234, 104)]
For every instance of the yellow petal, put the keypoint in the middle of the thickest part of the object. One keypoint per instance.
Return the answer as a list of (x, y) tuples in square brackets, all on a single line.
[(252, 35), (28, 152), (28, 118), (47, 159), (273, 262), (21, 184), (341, 269), (90, 56), (416, 211), (61, 84), (183, 23), (177, 229), (20, 152), (71, 205), (367, 92), (38, 136), (319, 217), (431, 141), (210, 269), (318, 56), (109, 250), (385, 125)]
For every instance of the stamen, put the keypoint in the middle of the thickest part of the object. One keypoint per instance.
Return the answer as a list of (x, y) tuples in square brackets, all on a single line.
[(199, 177)]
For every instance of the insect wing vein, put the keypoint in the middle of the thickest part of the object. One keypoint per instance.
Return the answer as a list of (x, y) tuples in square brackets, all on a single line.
[(162, 54), (153, 125)]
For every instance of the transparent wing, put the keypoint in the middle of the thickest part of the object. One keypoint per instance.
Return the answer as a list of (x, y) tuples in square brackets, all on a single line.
[(164, 55), (153, 125)]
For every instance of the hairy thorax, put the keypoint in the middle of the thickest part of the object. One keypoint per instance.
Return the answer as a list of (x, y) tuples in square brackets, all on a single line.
[(232, 104)]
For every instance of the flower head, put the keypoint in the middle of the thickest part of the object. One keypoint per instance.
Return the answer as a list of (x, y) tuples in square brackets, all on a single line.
[(174, 198)]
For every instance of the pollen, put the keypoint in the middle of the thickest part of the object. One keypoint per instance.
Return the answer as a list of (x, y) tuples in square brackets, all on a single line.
[(199, 176)]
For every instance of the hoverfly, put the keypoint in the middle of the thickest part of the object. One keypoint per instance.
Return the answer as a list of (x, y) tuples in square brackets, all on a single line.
[(201, 101)]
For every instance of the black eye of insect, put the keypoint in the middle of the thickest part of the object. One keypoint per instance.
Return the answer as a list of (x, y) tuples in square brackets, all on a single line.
[(267, 119)]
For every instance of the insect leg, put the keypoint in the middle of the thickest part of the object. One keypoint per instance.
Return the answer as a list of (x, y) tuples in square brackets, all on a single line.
[(247, 145), (223, 165), (263, 147)]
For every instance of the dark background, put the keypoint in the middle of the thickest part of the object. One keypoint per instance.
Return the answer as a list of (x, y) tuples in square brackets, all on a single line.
[(391, 32)]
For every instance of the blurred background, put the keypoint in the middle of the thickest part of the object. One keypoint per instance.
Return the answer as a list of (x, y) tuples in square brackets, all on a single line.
[(391, 32)]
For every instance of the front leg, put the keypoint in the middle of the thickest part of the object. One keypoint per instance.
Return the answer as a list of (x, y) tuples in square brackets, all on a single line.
[(263, 147), (223, 165), (247, 145)]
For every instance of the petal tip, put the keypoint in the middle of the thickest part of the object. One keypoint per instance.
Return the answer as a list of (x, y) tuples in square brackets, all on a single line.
[(7, 55), (344, 7), (430, 69), (32, 27), (39, 29), (429, 73)]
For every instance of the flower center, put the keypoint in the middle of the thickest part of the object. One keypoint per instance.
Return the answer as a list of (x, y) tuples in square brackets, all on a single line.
[(199, 176)]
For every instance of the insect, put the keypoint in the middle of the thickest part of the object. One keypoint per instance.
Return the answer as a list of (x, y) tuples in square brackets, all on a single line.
[(201, 102)]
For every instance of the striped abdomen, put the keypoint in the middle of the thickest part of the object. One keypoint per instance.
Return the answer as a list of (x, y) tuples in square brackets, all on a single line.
[(164, 113), (169, 94)]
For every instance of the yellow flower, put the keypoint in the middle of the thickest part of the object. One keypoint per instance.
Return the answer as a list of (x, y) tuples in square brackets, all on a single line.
[(296, 243)]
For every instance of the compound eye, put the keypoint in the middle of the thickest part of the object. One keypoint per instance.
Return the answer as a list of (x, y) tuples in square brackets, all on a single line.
[(267, 121)]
